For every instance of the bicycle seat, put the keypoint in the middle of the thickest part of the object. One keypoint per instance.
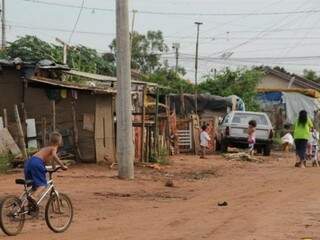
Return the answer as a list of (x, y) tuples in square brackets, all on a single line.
[(24, 182)]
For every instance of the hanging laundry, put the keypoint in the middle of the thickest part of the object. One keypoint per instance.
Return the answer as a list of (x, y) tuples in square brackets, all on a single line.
[(63, 93)]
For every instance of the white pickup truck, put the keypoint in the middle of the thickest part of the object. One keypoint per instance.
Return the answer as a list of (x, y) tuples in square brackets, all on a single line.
[(233, 131)]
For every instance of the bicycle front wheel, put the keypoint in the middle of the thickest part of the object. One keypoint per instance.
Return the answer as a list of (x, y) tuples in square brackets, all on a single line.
[(11, 215), (59, 213)]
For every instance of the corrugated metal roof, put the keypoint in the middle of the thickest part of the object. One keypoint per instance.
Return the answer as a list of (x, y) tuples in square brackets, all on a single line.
[(298, 80), (71, 85), (103, 78)]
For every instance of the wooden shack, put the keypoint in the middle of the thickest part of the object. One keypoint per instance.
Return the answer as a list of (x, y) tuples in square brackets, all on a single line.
[(83, 114), (189, 119)]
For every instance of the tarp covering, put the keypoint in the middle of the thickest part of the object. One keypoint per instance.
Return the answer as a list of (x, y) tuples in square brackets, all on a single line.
[(270, 97), (240, 105), (295, 102), (185, 104)]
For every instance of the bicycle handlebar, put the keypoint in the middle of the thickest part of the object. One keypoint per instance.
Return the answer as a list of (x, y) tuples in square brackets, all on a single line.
[(54, 170)]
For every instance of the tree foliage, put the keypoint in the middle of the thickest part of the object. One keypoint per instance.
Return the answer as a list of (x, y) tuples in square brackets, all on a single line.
[(242, 83), (32, 49), (171, 80), (311, 75), (146, 51)]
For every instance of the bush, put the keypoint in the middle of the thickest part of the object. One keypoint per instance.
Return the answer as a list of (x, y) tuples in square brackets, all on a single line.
[(5, 160), (162, 157)]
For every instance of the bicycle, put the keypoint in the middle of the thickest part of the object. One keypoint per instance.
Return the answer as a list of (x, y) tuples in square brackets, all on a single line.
[(13, 210)]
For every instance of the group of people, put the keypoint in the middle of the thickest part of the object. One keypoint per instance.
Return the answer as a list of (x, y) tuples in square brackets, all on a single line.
[(205, 138), (305, 137)]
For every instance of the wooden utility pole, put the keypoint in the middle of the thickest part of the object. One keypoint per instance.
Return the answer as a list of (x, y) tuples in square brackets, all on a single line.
[(176, 47), (5, 118), (44, 132), (3, 25), (132, 27), (65, 49), (125, 150), (20, 133), (53, 105), (196, 66)]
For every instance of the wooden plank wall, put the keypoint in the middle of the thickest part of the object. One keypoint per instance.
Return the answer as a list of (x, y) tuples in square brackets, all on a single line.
[(104, 129), (38, 106)]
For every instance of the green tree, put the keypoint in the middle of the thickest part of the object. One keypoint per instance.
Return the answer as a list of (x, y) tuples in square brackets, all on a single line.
[(31, 48), (146, 51), (311, 75), (242, 83), (171, 80)]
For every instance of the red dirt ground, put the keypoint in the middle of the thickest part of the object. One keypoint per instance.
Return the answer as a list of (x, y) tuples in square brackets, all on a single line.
[(270, 200)]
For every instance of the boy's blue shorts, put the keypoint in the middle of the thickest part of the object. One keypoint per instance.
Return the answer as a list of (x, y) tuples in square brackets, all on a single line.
[(35, 170)]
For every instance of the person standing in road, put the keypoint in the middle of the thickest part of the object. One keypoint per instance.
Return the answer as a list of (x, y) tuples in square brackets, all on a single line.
[(301, 136), (252, 136), (204, 141)]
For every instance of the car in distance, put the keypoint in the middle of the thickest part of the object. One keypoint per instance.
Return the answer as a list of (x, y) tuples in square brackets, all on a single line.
[(233, 131)]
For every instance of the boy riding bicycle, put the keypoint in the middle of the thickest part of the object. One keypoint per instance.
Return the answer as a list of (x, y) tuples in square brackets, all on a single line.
[(35, 169)]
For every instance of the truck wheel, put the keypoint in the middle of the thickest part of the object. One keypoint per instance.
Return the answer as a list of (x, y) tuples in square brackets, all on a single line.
[(218, 144), (259, 150), (267, 150), (224, 146)]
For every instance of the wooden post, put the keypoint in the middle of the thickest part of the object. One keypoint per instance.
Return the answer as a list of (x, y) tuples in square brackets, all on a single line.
[(5, 118), (143, 124), (24, 119), (20, 132), (147, 144), (24, 112), (53, 104), (156, 135), (44, 132), (75, 132)]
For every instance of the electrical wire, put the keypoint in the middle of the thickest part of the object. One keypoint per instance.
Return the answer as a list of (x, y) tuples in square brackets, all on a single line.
[(256, 37), (77, 21), (181, 13)]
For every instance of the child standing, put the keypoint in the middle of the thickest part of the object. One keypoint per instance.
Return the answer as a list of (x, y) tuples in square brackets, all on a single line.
[(252, 136), (204, 141), (314, 147)]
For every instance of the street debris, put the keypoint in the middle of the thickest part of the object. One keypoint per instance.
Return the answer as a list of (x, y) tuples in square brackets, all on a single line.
[(242, 156), (169, 183), (223, 204)]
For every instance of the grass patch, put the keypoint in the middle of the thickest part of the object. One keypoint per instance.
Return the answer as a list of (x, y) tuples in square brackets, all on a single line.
[(5, 162), (162, 157)]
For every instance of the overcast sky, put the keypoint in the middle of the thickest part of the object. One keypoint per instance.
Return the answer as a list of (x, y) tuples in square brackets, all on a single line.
[(243, 28)]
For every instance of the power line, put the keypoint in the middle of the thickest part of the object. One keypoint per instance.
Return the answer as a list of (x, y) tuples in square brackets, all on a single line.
[(185, 56), (258, 36), (77, 21), (59, 30), (180, 13), (166, 37)]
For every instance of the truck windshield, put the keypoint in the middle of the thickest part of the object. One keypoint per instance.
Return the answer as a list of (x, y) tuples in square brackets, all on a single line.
[(244, 118)]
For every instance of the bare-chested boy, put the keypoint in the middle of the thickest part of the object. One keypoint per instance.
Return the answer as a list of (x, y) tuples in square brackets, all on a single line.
[(35, 168)]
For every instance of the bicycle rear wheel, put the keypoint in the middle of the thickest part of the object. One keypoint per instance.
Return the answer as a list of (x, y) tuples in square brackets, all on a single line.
[(11, 216), (59, 213)]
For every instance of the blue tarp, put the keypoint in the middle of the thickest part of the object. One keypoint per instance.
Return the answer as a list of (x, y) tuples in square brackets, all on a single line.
[(270, 97), (294, 103)]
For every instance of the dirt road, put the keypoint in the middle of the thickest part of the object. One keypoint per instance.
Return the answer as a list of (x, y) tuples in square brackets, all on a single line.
[(270, 200)]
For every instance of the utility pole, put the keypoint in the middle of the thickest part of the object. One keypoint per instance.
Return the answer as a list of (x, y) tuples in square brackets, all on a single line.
[(132, 26), (196, 66), (125, 150), (3, 25), (176, 47), (65, 49)]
